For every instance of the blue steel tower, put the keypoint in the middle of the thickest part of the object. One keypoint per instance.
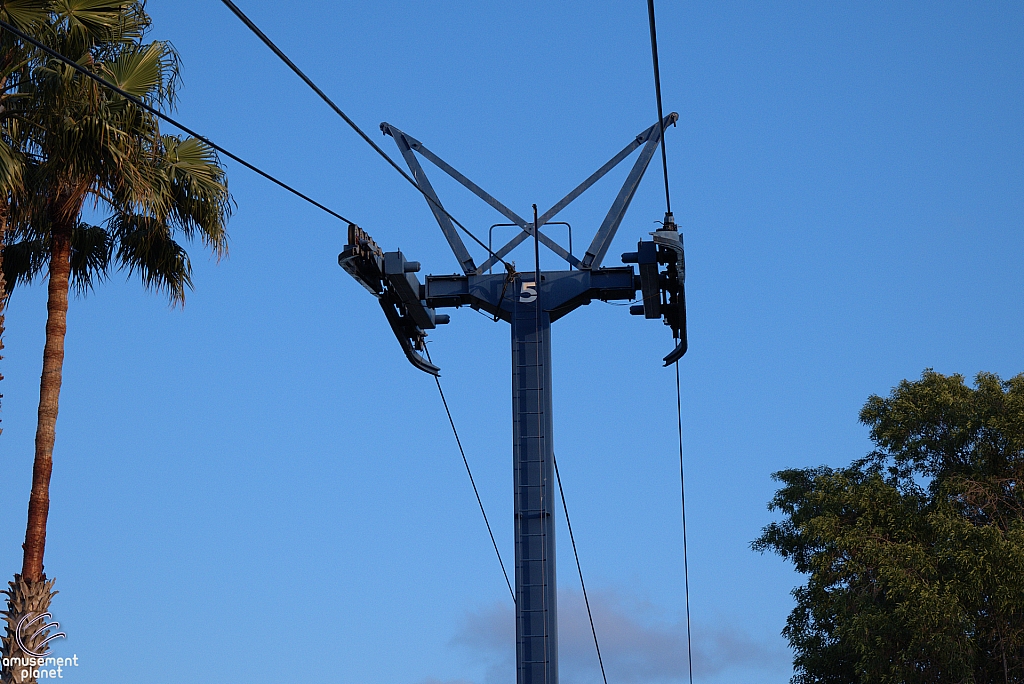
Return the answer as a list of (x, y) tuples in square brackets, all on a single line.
[(530, 302)]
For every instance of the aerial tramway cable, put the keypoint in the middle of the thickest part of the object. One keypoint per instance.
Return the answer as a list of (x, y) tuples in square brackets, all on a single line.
[(682, 497), (679, 403), (337, 110), (160, 115), (657, 91), (586, 600), (323, 96), (469, 472), (155, 112)]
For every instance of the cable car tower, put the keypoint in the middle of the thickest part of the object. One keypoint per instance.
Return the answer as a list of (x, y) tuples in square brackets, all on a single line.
[(530, 302)]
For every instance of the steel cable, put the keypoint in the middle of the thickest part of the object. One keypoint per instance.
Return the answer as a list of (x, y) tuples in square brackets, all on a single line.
[(679, 404), (657, 91), (337, 110), (682, 496), (579, 569), (157, 113), (469, 472)]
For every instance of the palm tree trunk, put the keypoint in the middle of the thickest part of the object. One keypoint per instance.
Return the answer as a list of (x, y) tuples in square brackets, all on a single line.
[(49, 394), (31, 592)]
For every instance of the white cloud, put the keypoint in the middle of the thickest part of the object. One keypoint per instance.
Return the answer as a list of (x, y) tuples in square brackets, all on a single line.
[(639, 644)]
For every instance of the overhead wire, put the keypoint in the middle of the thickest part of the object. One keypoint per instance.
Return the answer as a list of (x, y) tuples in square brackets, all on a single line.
[(509, 267), (679, 403), (186, 129), (337, 110), (657, 90), (579, 569), (138, 102), (682, 498), (227, 153), (472, 481)]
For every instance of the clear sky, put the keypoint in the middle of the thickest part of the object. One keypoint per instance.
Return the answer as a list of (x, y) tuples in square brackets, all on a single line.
[(259, 487)]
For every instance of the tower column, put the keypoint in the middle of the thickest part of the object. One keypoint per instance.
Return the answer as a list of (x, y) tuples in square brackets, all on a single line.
[(534, 482)]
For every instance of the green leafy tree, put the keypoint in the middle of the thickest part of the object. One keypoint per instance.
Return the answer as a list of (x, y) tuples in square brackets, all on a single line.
[(915, 553), (86, 147)]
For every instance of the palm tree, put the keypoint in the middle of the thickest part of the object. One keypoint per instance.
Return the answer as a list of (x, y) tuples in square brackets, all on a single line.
[(90, 145)]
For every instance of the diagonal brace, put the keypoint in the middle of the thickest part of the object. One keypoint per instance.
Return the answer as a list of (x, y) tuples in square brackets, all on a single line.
[(603, 239), (433, 201), (405, 140), (651, 137), (564, 202), (468, 184)]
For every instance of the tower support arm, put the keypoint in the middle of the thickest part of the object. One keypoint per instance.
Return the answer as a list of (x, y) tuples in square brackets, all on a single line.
[(594, 177), (642, 138), (606, 233), (561, 291)]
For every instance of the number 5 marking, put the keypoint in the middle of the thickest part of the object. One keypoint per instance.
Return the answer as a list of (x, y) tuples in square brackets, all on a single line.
[(529, 293)]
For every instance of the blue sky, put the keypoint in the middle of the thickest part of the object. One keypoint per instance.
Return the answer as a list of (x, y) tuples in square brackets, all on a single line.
[(260, 486)]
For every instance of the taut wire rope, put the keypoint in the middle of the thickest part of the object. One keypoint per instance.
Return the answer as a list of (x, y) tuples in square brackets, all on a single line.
[(579, 569), (657, 90), (469, 472), (160, 115), (679, 403), (337, 110), (682, 498)]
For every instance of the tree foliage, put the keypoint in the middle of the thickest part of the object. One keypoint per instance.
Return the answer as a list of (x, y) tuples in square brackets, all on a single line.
[(83, 147), (915, 553), (26, 15), (74, 151)]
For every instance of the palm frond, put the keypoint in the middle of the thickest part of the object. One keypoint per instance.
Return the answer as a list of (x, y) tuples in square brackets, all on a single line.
[(25, 14), (143, 71), (145, 245), (11, 168), (91, 251), (87, 23), (27, 215), (200, 203), (24, 260)]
